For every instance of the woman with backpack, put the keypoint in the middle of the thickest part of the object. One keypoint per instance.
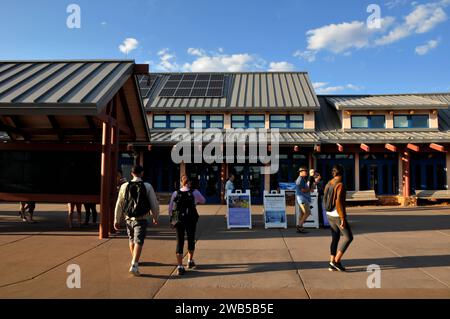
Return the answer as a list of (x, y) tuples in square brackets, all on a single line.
[(184, 217), (334, 201)]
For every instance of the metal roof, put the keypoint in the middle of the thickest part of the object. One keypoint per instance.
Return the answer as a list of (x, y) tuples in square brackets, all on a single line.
[(246, 91), (362, 102), (60, 87)]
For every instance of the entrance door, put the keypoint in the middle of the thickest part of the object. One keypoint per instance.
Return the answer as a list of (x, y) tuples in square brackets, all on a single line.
[(249, 177), (206, 178), (428, 172), (379, 172), (325, 163)]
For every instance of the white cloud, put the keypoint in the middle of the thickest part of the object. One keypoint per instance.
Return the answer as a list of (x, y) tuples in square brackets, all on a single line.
[(103, 23), (395, 3), (424, 49), (324, 88), (344, 37), (307, 55), (422, 19), (128, 45), (167, 61), (339, 38), (196, 52), (281, 67)]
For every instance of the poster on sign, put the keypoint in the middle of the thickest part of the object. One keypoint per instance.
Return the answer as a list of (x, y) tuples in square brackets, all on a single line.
[(313, 219), (275, 210), (239, 213)]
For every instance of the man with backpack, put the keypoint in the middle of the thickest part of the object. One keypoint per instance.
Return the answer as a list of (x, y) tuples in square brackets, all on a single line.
[(184, 217), (334, 201), (136, 200)]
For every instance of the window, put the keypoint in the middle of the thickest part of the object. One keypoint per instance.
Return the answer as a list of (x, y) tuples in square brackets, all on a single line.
[(207, 121), (411, 121), (286, 121), (368, 121), (169, 121), (247, 121)]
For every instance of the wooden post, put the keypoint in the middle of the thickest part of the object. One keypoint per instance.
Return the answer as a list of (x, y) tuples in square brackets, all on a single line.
[(447, 167), (113, 170), (105, 179), (406, 175), (223, 180), (357, 177)]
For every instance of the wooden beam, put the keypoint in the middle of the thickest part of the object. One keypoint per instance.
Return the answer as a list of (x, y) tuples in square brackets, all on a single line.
[(56, 127), (49, 198), (105, 180), (413, 147), (365, 147), (68, 147), (340, 148), (17, 124), (437, 147), (126, 111), (391, 147), (93, 127), (317, 148)]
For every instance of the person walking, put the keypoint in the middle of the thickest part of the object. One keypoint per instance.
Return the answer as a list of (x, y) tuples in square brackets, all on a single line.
[(184, 218), (136, 199), (229, 185), (334, 201), (303, 198), (27, 208), (71, 207), (90, 208)]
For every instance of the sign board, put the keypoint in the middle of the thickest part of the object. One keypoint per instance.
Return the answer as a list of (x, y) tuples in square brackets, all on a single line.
[(313, 219), (275, 210), (239, 213)]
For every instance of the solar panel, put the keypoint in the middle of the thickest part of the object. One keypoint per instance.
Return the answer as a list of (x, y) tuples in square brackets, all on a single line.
[(167, 92), (175, 77), (189, 77), (186, 84), (182, 92), (198, 92), (216, 84), (214, 93), (194, 85), (146, 83), (217, 77), (203, 77), (171, 84), (201, 84)]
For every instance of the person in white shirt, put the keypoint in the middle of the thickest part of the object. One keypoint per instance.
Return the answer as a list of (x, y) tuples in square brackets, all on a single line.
[(129, 203)]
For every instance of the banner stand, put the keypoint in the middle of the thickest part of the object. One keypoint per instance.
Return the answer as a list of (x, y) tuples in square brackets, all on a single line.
[(239, 213), (275, 209), (313, 219)]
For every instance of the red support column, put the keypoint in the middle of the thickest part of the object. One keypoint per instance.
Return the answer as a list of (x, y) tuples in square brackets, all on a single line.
[(113, 169), (406, 175), (105, 179)]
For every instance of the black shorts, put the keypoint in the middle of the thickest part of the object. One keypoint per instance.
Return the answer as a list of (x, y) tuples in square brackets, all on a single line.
[(137, 230)]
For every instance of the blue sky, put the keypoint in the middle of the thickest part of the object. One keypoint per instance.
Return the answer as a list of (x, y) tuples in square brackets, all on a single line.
[(408, 52)]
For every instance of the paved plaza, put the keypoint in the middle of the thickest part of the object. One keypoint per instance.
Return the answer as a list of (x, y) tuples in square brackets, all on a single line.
[(411, 245)]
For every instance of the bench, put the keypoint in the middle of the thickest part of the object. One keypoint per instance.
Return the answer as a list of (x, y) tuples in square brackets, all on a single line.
[(362, 196), (433, 194)]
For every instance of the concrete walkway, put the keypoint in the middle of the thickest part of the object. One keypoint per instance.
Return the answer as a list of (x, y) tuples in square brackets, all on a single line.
[(411, 245)]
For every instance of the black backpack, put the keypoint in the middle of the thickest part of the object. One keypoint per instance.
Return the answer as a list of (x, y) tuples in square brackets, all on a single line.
[(136, 203), (328, 201), (185, 209)]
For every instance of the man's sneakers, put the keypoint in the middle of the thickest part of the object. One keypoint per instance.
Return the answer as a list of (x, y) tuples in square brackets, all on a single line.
[(334, 266), (134, 270), (191, 264), (180, 271)]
